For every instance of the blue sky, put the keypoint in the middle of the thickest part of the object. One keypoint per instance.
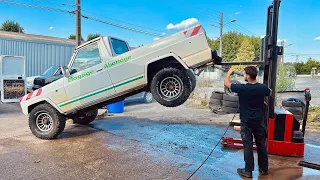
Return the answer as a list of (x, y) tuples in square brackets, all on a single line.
[(298, 24)]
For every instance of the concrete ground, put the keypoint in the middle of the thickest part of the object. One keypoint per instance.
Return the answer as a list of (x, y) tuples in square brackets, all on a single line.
[(148, 141)]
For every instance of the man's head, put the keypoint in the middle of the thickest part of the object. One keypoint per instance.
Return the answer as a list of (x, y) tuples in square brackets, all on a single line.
[(250, 73)]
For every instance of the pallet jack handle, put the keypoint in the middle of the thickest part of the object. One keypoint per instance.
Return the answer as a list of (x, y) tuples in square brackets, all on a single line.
[(307, 95)]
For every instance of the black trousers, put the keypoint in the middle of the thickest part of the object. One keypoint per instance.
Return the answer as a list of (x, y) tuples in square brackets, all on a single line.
[(258, 130)]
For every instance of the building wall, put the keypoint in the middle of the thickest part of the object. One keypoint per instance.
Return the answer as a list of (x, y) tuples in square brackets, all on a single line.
[(39, 55)]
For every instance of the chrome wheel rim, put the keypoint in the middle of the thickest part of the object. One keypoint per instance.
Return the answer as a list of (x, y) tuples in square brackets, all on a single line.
[(44, 122), (171, 87)]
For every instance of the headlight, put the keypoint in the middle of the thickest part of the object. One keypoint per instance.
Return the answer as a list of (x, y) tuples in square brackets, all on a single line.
[(29, 83)]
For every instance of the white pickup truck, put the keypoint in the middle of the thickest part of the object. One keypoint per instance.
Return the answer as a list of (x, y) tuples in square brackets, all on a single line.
[(105, 70)]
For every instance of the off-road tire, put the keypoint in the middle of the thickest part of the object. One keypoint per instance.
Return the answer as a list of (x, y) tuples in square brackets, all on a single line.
[(217, 95), (57, 126), (84, 118), (230, 104), (231, 98), (228, 90), (298, 117), (229, 110), (214, 107), (287, 103), (294, 110), (183, 94), (215, 101)]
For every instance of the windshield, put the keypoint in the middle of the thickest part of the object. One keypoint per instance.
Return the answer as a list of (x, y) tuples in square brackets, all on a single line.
[(50, 71)]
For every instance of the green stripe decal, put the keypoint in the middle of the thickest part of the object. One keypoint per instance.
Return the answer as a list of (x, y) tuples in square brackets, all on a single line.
[(101, 91)]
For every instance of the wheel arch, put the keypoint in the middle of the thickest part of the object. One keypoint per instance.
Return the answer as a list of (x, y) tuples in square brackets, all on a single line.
[(43, 101), (168, 60)]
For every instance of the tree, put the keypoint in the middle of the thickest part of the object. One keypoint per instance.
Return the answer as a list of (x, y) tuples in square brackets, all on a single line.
[(12, 26), (72, 36), (245, 53), (232, 42), (256, 41), (92, 36), (305, 68), (284, 82)]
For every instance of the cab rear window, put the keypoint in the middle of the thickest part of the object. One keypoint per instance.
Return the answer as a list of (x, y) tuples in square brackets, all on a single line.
[(118, 46)]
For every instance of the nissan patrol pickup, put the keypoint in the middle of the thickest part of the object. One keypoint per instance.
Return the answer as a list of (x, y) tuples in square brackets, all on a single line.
[(105, 70)]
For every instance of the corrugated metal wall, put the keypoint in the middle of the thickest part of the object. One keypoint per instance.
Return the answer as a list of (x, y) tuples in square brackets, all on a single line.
[(39, 55)]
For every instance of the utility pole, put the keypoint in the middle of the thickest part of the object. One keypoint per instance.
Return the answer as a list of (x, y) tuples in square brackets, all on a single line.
[(297, 57), (221, 32), (282, 44), (78, 23)]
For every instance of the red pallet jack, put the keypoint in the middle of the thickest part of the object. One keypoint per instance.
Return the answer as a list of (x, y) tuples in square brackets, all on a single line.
[(284, 135)]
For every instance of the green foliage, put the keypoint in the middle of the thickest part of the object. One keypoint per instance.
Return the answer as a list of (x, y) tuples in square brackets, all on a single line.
[(245, 53), (231, 44), (11, 26), (284, 82), (92, 36), (305, 68), (72, 36)]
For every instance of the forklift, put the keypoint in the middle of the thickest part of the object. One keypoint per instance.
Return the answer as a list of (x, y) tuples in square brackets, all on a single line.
[(285, 136)]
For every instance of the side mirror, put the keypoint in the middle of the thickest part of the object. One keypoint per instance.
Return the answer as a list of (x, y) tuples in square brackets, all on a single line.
[(65, 71)]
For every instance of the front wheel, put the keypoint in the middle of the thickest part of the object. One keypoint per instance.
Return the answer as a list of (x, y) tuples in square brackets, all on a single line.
[(171, 87), (45, 122)]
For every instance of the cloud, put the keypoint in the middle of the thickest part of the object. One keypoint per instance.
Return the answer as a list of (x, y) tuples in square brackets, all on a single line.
[(262, 36), (163, 34), (280, 40), (51, 27), (183, 24), (156, 38), (237, 13), (317, 38)]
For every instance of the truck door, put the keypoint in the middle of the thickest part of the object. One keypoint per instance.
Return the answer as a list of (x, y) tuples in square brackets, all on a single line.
[(124, 72), (88, 84)]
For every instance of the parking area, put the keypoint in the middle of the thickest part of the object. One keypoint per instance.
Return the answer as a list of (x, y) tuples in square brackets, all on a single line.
[(148, 141)]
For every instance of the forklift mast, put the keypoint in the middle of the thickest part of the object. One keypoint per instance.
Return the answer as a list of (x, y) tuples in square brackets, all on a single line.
[(269, 54)]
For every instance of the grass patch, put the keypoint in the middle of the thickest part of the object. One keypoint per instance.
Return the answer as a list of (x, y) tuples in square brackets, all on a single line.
[(313, 121)]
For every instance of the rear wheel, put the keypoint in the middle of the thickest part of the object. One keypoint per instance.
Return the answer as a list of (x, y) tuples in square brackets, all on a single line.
[(84, 118), (171, 87), (45, 122)]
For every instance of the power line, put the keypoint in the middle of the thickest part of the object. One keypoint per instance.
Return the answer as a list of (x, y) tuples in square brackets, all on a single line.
[(121, 26), (36, 6), (121, 21), (50, 2)]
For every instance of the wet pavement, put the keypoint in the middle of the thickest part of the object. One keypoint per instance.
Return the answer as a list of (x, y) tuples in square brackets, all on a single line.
[(142, 143), (187, 145)]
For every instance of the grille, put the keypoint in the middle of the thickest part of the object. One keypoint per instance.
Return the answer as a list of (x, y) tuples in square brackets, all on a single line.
[(13, 89)]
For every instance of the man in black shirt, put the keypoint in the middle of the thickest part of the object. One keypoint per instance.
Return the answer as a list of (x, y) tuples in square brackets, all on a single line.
[(251, 100)]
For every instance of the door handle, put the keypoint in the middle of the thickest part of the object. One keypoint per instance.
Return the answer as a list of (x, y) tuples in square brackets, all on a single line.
[(99, 70)]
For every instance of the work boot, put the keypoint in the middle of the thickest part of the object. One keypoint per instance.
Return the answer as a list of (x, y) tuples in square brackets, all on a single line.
[(263, 173), (244, 173)]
